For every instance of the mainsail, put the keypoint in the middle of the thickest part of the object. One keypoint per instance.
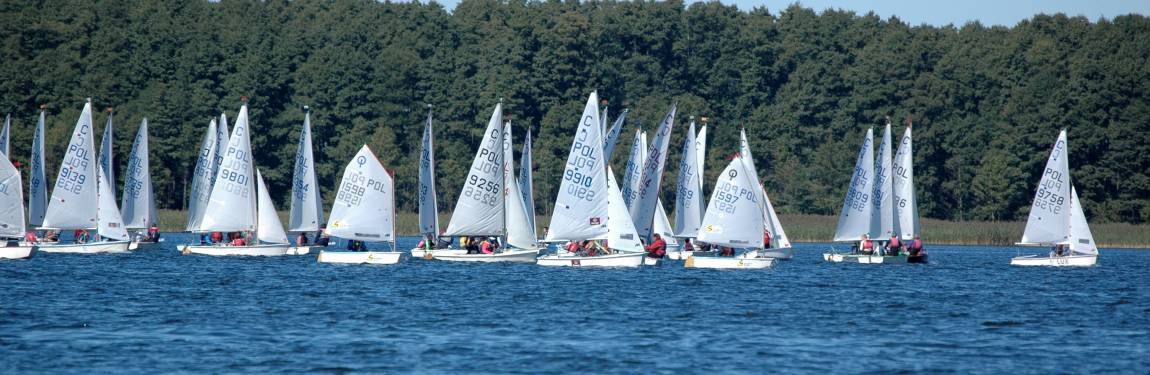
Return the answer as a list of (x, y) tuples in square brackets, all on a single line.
[(232, 206), (520, 234), (37, 181), (479, 208), (1049, 217), (580, 211), (633, 172), (905, 203), (856, 213), (882, 224), (107, 158), (73, 204), (771, 219), (11, 201), (734, 217), (613, 134), (688, 192), (428, 207), (306, 205), (526, 184), (202, 178), (4, 139), (644, 211), (364, 208), (138, 202)]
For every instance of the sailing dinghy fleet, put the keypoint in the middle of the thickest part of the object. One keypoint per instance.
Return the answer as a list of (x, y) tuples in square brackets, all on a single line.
[(596, 221)]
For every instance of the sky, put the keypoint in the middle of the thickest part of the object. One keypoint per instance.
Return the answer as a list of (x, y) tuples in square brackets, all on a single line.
[(956, 12)]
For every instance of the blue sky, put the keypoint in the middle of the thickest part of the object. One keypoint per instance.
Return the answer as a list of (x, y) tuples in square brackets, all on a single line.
[(957, 12)]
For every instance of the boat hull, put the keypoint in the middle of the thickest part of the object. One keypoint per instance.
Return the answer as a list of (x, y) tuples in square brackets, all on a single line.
[(1049, 261), (679, 254), (514, 255), (728, 262), (359, 257), (786, 253), (865, 259), (86, 248), (611, 260), (256, 250), (649, 261), (436, 253), (303, 250), (15, 252)]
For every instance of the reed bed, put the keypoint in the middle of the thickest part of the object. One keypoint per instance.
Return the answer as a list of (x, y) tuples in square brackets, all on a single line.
[(818, 228)]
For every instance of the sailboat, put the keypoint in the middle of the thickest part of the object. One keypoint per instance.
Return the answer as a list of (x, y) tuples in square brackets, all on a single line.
[(508, 212), (364, 210), (12, 211), (688, 195), (780, 246), (855, 218), (37, 181), (82, 198), (584, 209), (306, 204), (1056, 217), (428, 199), (235, 205), (734, 219), (138, 200)]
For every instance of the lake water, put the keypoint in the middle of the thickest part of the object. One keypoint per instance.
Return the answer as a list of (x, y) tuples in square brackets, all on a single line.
[(967, 311)]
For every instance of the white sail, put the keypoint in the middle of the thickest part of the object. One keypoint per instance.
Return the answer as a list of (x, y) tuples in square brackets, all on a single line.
[(854, 221), (479, 208), (661, 224), (688, 192), (37, 181), (771, 219), (4, 138), (109, 223), (633, 172), (11, 201), (734, 217), (527, 184), (202, 178), (73, 203), (232, 206), (306, 205), (701, 159), (268, 229), (520, 234), (643, 212), (621, 234), (882, 224), (107, 158), (1081, 240), (905, 203), (779, 239), (613, 134), (580, 211), (364, 208), (1050, 212), (138, 202), (428, 207)]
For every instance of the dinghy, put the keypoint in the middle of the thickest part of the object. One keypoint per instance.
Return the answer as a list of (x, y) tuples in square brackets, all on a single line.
[(428, 200), (734, 219), (11, 211), (235, 205), (306, 204), (363, 211), (622, 238), (138, 203), (582, 207), (1056, 217), (82, 198)]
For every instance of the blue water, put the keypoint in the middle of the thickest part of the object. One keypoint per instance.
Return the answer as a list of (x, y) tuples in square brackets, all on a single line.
[(968, 311)]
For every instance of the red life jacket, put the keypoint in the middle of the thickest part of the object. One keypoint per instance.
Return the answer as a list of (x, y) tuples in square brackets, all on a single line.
[(866, 244)]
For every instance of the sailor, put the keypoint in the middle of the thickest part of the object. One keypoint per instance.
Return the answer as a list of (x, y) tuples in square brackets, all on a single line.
[(353, 245), (321, 238), (1059, 250), (302, 239), (657, 248), (726, 251), (217, 237), (915, 246), (153, 233), (865, 245), (572, 247), (488, 246), (687, 245), (766, 239), (81, 235), (30, 237), (893, 245)]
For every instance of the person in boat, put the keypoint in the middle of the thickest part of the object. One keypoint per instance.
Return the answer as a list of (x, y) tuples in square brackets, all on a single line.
[(81, 235), (354, 245), (301, 239), (593, 248), (571, 247), (915, 246), (153, 233), (658, 248), (1059, 250), (766, 239), (30, 237), (726, 251), (893, 245), (215, 237), (488, 246), (443, 242), (52, 236), (321, 238), (865, 245), (687, 245)]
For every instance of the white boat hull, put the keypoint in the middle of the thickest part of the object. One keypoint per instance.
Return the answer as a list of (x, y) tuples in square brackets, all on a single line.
[(86, 248), (303, 250), (515, 255), (15, 252), (679, 254), (787, 253), (864, 259), (359, 257), (649, 261), (611, 260), (420, 252), (1064, 261), (256, 250), (728, 262)]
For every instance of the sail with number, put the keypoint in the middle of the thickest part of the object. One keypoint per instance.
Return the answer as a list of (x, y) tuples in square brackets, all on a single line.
[(581, 207), (232, 206), (306, 204), (37, 181), (882, 220), (526, 184), (613, 134), (107, 158), (905, 202), (633, 172), (520, 233), (621, 234), (138, 203), (109, 223), (479, 209), (268, 227), (854, 221), (1049, 216), (202, 178), (688, 192), (364, 208), (73, 203), (222, 138), (428, 207), (655, 160), (734, 216), (11, 201)]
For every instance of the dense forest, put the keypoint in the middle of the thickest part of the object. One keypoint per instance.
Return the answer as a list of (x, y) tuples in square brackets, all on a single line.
[(987, 102)]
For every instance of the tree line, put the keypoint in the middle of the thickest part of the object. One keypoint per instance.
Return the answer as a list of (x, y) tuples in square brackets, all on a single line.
[(987, 102)]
